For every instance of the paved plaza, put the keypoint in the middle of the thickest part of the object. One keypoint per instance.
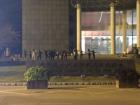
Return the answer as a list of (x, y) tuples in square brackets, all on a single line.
[(87, 95)]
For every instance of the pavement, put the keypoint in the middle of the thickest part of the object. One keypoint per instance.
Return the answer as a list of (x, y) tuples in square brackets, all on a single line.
[(74, 95)]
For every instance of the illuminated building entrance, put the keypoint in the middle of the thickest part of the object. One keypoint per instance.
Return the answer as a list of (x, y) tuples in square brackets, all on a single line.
[(112, 6), (96, 35)]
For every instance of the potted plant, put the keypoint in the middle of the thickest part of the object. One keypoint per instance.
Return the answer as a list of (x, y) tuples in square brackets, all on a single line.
[(127, 79), (36, 77)]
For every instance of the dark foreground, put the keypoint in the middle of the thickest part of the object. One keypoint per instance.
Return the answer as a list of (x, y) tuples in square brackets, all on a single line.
[(95, 95)]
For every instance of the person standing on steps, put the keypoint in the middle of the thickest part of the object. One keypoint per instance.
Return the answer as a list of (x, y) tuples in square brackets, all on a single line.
[(89, 55), (81, 54), (93, 54), (75, 54)]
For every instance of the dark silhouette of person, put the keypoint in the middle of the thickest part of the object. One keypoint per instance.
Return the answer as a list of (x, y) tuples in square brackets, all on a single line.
[(39, 54), (81, 54), (65, 54), (52, 54), (89, 54), (62, 55), (46, 54), (136, 51), (75, 54), (25, 54), (57, 54), (30, 54), (93, 54)]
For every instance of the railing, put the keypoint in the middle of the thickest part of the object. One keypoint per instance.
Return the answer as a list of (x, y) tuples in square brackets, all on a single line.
[(111, 82)]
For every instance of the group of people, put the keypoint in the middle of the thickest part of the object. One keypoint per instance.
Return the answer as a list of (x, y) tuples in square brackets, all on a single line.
[(54, 54), (45, 54), (90, 53)]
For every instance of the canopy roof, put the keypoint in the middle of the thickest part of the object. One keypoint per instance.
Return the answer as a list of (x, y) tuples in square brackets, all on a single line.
[(104, 5)]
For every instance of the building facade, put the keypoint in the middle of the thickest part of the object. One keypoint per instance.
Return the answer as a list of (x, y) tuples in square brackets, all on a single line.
[(46, 24), (58, 25)]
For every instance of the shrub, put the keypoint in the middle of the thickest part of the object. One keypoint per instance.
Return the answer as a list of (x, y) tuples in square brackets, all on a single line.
[(36, 73)]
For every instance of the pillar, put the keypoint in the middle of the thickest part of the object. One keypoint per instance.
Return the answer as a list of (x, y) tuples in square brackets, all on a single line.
[(138, 23), (78, 42), (112, 28), (124, 30)]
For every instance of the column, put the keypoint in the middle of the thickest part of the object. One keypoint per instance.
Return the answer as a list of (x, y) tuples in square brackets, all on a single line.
[(124, 27), (112, 28), (138, 23), (78, 42)]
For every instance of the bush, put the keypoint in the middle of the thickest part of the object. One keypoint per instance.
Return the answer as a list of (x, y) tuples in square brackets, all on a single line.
[(36, 73)]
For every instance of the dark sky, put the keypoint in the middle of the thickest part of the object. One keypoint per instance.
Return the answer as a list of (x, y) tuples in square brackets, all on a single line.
[(10, 14), (10, 25)]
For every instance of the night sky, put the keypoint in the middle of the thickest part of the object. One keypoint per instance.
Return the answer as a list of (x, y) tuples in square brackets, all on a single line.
[(10, 13), (10, 24)]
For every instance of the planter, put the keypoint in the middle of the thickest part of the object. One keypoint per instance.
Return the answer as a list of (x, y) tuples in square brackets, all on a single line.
[(122, 84), (37, 84), (128, 82)]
